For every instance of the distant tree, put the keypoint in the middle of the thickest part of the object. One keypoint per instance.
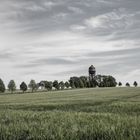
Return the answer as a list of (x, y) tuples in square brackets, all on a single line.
[(74, 82), (99, 79), (81, 84), (12, 86), (67, 85), (102, 84), (32, 85), (93, 83), (48, 85), (56, 85), (127, 84), (109, 81), (2, 86), (84, 80), (105, 81), (23, 87), (71, 81), (37, 86), (62, 85), (88, 84), (135, 84), (119, 84), (42, 84)]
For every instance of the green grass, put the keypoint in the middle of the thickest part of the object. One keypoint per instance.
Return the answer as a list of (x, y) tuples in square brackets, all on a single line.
[(84, 114)]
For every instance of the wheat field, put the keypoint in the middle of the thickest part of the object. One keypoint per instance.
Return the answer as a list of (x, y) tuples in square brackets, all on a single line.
[(82, 114)]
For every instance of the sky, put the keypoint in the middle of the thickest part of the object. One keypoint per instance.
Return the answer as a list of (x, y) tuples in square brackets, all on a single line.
[(57, 39)]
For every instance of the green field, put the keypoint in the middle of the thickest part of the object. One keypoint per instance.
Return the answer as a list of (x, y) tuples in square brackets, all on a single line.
[(84, 114)]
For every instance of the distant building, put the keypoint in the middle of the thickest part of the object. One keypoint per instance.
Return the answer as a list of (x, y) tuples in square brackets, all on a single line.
[(92, 72)]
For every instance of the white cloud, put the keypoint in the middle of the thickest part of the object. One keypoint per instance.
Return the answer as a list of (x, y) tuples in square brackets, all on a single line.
[(115, 19), (49, 3), (76, 10), (78, 27), (104, 1), (60, 16), (95, 22), (35, 8)]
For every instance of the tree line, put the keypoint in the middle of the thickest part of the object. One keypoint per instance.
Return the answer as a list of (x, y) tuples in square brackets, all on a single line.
[(72, 83)]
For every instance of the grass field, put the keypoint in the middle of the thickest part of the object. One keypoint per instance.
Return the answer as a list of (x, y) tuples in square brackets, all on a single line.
[(84, 114)]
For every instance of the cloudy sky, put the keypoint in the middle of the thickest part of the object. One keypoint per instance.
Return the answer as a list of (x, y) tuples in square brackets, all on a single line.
[(56, 39)]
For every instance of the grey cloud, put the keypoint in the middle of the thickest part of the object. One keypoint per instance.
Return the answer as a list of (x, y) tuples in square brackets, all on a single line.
[(55, 61), (109, 20), (74, 72), (120, 23), (131, 51), (126, 59), (46, 61), (32, 16), (6, 55)]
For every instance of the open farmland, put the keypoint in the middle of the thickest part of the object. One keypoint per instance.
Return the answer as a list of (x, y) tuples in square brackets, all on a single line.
[(84, 114)]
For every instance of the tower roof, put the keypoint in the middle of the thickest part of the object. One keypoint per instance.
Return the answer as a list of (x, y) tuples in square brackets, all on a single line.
[(91, 67), (92, 70)]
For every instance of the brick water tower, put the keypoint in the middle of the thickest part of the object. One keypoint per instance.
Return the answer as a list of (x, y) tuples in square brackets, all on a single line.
[(92, 73)]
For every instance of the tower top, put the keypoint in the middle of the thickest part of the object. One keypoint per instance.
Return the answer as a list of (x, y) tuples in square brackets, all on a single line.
[(92, 70), (91, 67)]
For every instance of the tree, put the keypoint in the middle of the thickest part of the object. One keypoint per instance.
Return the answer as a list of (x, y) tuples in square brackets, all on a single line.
[(56, 85), (135, 84), (105, 81), (93, 83), (119, 84), (88, 84), (109, 81), (42, 84), (48, 85), (81, 84), (12, 86), (85, 80), (67, 85), (32, 85), (127, 84), (71, 81), (62, 85), (37, 86), (2, 86), (23, 87), (74, 82), (99, 80)]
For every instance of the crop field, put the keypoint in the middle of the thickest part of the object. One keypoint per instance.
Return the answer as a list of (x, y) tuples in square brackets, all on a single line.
[(82, 114)]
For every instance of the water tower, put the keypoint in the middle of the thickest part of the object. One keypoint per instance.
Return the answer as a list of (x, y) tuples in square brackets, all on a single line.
[(92, 73)]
